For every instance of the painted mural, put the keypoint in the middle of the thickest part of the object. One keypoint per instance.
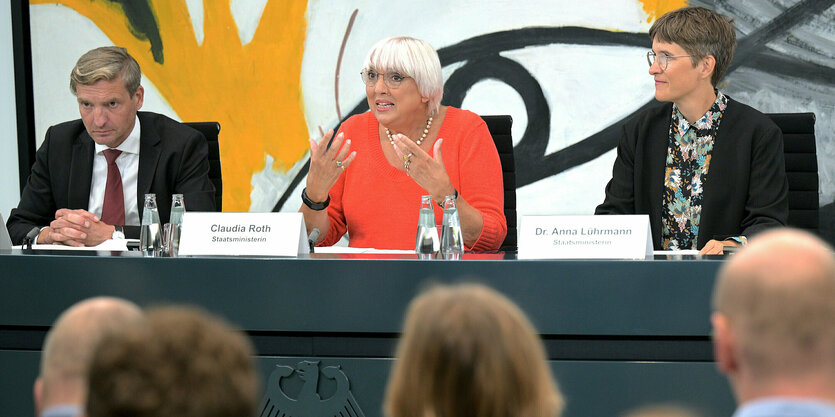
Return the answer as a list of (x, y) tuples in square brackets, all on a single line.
[(275, 72)]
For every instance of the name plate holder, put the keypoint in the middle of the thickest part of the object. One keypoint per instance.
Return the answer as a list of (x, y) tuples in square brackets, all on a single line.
[(243, 234), (585, 237)]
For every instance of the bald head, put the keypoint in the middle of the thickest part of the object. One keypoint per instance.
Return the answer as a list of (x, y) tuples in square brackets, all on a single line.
[(70, 343), (777, 298)]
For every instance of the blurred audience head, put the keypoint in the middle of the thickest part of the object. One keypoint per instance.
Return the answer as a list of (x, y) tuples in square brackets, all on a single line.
[(774, 317), (662, 410), (700, 32), (69, 346), (178, 362), (466, 350)]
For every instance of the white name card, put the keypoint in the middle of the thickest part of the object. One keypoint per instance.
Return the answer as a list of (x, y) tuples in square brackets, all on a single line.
[(237, 234), (585, 237)]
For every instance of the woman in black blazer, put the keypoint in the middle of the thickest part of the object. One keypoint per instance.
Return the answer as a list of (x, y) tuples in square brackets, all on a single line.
[(708, 170)]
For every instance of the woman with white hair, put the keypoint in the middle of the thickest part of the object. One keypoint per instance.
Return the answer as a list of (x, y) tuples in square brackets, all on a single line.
[(381, 162)]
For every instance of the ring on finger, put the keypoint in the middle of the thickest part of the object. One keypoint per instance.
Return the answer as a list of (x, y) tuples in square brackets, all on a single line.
[(406, 164), (339, 164)]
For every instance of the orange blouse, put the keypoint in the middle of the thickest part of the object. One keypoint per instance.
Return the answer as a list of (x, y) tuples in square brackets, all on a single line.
[(378, 205)]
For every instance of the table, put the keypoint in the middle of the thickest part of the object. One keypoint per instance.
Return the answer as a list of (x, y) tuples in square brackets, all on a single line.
[(618, 333)]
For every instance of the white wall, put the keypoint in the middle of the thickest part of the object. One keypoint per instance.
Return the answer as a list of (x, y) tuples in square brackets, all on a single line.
[(9, 180)]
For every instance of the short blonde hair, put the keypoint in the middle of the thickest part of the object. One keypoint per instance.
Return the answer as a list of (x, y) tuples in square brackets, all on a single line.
[(410, 57), (701, 32), (106, 63), (778, 296), (467, 350)]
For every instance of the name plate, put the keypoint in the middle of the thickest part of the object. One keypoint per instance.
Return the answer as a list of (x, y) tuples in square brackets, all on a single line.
[(237, 234), (585, 237)]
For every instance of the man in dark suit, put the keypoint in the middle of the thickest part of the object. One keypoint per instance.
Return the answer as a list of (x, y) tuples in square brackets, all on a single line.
[(708, 170), (90, 175)]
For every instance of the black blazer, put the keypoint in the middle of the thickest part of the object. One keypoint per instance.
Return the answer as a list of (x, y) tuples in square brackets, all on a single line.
[(173, 159), (746, 189)]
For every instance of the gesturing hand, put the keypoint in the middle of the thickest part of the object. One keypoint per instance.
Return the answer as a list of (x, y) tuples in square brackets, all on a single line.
[(428, 172), (327, 164)]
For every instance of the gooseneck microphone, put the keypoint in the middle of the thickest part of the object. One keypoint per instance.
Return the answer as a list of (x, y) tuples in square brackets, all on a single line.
[(31, 238), (312, 238)]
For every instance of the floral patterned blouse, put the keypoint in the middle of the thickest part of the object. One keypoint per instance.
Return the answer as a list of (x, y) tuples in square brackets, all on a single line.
[(688, 162)]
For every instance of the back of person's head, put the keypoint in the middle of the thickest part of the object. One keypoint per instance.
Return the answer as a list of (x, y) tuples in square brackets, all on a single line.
[(179, 362), (662, 410), (69, 346), (106, 63), (700, 32), (777, 298), (468, 351)]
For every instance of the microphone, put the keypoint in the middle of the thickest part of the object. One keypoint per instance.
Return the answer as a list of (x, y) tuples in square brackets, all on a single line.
[(31, 237), (313, 237)]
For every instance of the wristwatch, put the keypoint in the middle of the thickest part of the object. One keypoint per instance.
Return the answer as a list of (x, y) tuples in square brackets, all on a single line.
[(118, 232), (313, 205)]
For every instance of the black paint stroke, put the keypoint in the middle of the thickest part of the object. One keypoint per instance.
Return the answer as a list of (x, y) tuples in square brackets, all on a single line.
[(535, 139), (531, 162), (143, 24), (789, 18)]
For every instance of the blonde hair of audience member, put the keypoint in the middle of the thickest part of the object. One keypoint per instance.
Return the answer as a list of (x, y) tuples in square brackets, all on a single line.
[(69, 346), (468, 351), (774, 317), (414, 58), (106, 63), (662, 410), (178, 362)]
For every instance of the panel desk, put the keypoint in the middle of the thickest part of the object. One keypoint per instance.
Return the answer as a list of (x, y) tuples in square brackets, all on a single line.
[(618, 333)]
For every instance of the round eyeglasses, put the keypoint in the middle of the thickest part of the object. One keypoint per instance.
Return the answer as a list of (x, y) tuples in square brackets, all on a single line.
[(391, 79), (663, 60)]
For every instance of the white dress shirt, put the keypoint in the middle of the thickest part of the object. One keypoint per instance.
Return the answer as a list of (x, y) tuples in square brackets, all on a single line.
[(128, 163)]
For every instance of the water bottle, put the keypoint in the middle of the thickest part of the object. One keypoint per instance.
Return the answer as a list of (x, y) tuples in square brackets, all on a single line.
[(150, 239), (426, 239), (452, 242), (178, 209)]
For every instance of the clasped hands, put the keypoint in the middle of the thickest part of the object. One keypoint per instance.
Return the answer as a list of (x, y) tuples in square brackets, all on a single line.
[(75, 228)]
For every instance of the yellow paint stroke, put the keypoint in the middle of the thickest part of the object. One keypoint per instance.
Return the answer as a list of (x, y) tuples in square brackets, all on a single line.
[(656, 8), (253, 90)]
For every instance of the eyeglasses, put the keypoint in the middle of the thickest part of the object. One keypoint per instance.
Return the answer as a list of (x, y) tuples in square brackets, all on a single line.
[(663, 60), (392, 79)]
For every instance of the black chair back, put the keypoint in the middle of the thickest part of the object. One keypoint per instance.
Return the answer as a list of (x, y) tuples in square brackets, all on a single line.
[(801, 168), (211, 130), (499, 127)]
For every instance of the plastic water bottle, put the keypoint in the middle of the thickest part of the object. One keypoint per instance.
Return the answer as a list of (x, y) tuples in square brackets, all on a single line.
[(452, 242), (150, 239), (426, 239), (178, 209)]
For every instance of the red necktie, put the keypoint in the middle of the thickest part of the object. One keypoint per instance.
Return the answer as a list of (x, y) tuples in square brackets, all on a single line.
[(113, 209)]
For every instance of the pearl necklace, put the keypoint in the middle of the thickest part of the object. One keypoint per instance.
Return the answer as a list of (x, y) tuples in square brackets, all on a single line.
[(422, 137)]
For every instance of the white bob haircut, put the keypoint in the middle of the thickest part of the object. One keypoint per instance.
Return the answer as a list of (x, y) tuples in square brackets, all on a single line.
[(413, 58)]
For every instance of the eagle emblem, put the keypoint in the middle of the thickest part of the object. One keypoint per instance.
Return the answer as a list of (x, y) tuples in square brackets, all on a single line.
[(308, 403)]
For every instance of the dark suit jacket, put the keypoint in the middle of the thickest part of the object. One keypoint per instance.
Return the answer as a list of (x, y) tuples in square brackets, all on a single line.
[(746, 190), (172, 160)]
